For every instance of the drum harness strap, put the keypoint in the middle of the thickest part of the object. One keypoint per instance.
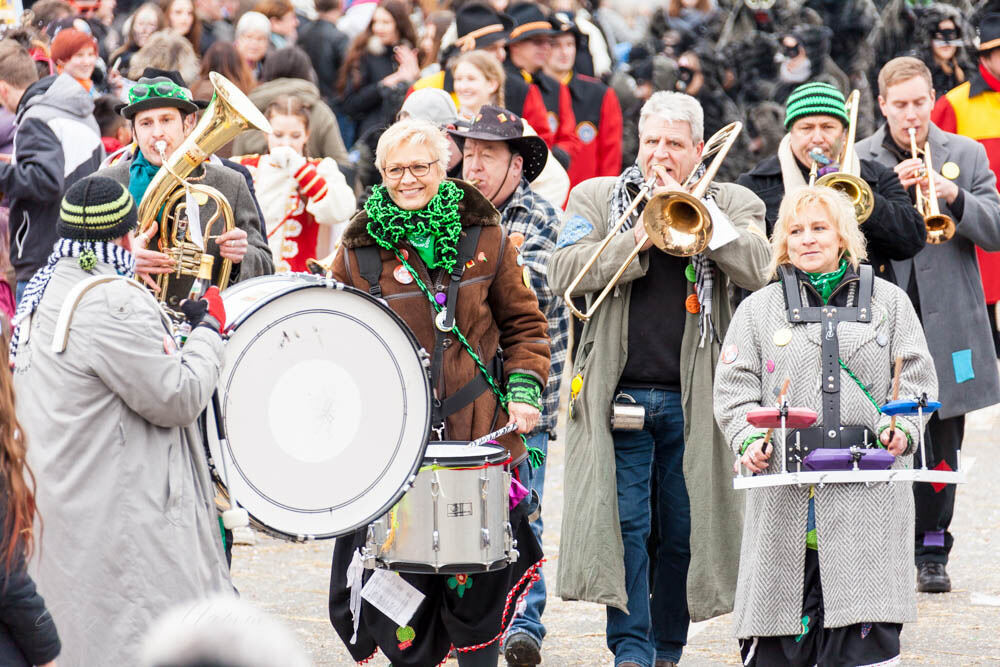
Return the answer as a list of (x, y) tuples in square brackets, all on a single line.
[(370, 267), (829, 316)]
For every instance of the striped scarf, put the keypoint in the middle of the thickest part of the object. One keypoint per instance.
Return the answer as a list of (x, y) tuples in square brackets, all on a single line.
[(621, 197), (105, 251)]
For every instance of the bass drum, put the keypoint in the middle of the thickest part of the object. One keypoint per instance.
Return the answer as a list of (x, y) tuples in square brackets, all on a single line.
[(324, 403)]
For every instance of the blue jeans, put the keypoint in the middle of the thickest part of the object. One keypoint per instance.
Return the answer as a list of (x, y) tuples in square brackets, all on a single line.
[(657, 623), (530, 621), (19, 292)]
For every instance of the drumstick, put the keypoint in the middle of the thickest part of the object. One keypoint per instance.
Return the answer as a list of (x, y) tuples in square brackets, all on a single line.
[(895, 394), (781, 400), (512, 426)]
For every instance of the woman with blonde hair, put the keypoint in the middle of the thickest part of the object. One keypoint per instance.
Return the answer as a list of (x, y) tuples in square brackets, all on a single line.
[(832, 331), (409, 229), (479, 79)]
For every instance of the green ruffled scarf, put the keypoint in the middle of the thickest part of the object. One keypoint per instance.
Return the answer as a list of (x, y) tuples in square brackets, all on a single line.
[(825, 283), (433, 231)]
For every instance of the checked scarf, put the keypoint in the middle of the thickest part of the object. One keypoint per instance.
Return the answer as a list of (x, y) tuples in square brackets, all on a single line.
[(621, 196), (87, 251)]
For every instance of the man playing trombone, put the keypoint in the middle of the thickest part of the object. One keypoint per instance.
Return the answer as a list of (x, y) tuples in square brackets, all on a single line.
[(818, 125), (942, 281), (652, 345)]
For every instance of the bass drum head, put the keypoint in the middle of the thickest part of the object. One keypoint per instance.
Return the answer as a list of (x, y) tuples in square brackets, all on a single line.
[(326, 406)]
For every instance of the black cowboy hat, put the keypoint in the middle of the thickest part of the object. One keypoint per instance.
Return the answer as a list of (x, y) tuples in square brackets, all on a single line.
[(151, 76), (989, 33), (479, 26), (494, 123), (529, 22)]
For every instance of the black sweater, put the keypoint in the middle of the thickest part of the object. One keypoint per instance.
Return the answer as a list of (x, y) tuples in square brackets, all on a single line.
[(27, 632)]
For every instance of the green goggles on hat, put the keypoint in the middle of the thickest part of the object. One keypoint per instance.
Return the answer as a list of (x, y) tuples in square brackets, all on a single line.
[(142, 91)]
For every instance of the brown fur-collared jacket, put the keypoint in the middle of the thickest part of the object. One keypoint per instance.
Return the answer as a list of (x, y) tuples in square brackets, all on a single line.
[(495, 309)]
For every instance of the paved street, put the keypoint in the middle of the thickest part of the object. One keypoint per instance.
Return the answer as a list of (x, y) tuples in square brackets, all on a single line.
[(961, 628)]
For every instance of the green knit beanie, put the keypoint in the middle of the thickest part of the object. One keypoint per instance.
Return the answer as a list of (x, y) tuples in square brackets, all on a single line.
[(815, 98)]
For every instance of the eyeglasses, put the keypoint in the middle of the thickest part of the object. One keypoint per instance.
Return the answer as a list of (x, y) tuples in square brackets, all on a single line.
[(418, 169), (142, 91)]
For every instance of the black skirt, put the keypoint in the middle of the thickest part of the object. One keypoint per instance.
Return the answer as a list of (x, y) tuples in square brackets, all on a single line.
[(467, 611), (849, 646)]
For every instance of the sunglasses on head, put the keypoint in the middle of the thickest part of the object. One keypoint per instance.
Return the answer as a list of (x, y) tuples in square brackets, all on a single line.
[(142, 91), (790, 51)]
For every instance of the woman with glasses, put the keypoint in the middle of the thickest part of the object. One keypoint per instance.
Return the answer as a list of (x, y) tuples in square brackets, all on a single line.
[(304, 200), (411, 231)]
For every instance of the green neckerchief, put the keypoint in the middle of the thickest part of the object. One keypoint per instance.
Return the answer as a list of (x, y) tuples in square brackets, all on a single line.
[(438, 220), (140, 174), (424, 245), (825, 283)]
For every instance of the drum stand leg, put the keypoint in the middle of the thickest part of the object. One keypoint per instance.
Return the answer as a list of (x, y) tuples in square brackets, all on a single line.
[(784, 444), (435, 534), (920, 427), (484, 485)]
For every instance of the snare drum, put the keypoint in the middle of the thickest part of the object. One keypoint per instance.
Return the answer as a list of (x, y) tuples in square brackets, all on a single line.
[(325, 404), (455, 519)]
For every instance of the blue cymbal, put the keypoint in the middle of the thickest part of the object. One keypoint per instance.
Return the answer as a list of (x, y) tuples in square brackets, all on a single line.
[(908, 406)]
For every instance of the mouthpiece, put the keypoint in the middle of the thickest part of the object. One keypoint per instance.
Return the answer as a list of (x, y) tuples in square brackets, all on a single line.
[(161, 147)]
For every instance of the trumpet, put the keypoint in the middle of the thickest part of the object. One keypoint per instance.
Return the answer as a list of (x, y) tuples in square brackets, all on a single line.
[(940, 227), (677, 221), (851, 184)]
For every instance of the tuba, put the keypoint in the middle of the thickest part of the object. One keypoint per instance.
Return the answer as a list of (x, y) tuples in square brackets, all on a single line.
[(229, 114), (851, 184), (940, 227), (677, 221)]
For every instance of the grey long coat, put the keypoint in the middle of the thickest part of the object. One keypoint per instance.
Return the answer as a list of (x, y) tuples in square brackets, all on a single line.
[(591, 555), (951, 291), (130, 526), (865, 534)]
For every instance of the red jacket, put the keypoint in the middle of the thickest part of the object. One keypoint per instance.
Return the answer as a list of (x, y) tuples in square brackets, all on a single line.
[(598, 127), (560, 123), (971, 110)]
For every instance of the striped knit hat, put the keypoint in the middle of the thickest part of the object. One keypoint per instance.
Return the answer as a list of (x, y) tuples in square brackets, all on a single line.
[(814, 98), (97, 208)]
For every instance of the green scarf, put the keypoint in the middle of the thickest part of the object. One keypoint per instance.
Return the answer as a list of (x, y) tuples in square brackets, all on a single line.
[(825, 283), (140, 175), (433, 231)]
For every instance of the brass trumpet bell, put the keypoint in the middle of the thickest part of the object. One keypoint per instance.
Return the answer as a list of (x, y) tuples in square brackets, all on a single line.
[(856, 189), (678, 223), (940, 227), (845, 180)]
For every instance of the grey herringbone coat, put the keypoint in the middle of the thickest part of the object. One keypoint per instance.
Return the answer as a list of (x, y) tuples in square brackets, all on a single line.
[(865, 533)]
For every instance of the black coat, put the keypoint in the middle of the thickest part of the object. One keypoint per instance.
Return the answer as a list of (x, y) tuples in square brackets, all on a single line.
[(27, 632), (895, 230), (370, 104), (326, 47)]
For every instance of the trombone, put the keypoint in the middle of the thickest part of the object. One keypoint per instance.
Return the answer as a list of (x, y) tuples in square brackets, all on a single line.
[(851, 184), (940, 227), (676, 221)]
